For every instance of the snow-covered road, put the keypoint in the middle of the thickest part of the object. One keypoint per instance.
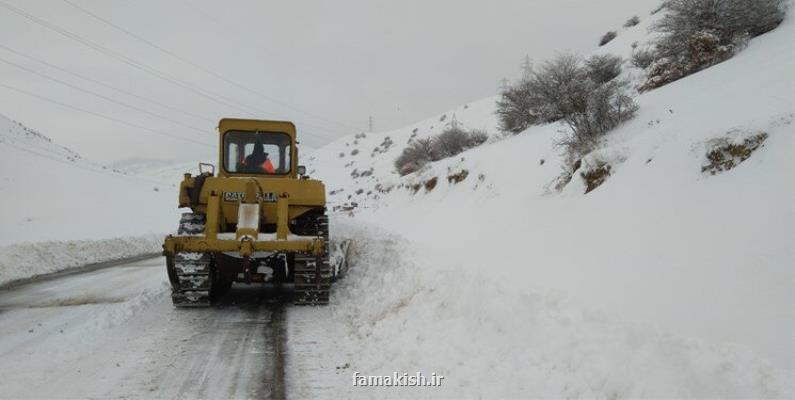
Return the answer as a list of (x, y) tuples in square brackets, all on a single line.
[(113, 333)]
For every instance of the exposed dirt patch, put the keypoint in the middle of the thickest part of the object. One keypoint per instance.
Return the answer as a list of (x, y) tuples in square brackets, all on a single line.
[(726, 155), (596, 176), (430, 184), (457, 177)]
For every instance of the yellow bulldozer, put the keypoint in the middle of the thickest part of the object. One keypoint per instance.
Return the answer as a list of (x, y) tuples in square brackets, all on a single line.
[(260, 219)]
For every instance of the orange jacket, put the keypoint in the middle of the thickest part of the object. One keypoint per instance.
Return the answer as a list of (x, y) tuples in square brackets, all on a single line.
[(267, 166)]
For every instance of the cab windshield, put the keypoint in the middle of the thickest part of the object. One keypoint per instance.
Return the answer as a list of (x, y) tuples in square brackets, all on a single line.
[(257, 152)]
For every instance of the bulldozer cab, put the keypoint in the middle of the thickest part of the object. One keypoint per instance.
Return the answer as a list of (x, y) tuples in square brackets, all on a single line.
[(258, 148)]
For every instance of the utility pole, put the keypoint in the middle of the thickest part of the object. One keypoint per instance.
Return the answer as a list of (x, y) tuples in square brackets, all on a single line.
[(504, 85), (371, 124), (527, 68), (454, 122)]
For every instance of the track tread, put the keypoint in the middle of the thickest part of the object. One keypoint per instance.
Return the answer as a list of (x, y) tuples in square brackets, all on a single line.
[(194, 283), (313, 273)]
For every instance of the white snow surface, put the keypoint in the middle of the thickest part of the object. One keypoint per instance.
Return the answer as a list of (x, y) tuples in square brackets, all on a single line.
[(663, 282), (60, 210), (50, 193), (405, 309)]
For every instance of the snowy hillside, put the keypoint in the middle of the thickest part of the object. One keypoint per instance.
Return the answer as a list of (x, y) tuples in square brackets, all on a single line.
[(665, 281), (55, 203), (157, 170)]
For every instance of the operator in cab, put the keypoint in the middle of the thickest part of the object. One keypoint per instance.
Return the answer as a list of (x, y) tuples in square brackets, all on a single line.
[(258, 159)]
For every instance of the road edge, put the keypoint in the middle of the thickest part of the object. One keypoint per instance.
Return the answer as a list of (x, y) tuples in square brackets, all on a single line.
[(78, 270)]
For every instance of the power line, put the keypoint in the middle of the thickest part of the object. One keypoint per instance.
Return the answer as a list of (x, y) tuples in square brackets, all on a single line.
[(96, 114), (103, 97), (76, 165), (217, 98), (109, 86), (120, 90), (108, 52), (205, 70)]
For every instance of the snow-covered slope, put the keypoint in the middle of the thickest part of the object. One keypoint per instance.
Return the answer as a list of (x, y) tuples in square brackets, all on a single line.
[(53, 199), (663, 282), (158, 170)]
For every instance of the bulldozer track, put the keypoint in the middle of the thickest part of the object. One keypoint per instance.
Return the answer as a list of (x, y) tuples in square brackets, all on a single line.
[(194, 280), (313, 273)]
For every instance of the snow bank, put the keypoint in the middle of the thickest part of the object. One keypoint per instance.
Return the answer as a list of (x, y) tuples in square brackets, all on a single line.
[(403, 308), (19, 261)]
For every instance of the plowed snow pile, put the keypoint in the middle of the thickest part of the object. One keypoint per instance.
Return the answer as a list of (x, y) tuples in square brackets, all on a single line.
[(665, 281), (406, 310)]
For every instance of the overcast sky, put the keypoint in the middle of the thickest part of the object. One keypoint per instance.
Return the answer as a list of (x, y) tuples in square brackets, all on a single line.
[(328, 66)]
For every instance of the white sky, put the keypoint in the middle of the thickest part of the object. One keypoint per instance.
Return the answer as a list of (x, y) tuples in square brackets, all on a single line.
[(329, 65)]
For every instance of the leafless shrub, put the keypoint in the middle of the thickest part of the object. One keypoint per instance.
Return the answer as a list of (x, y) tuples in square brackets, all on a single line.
[(603, 68), (566, 89), (449, 143), (702, 51), (418, 153), (632, 22), (642, 58), (585, 94), (477, 137), (515, 110), (607, 38), (697, 34)]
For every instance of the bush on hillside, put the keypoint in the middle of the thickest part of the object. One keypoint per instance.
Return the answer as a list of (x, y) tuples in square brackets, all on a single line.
[(581, 94), (418, 153), (607, 38), (514, 109), (697, 34), (449, 143), (642, 58), (585, 94), (477, 137), (632, 22), (603, 68)]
